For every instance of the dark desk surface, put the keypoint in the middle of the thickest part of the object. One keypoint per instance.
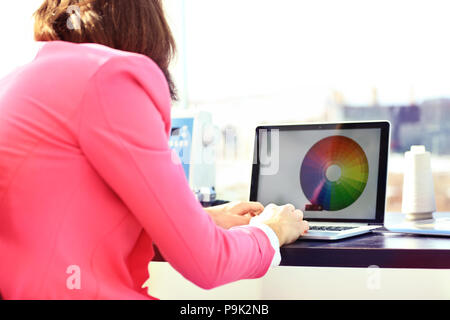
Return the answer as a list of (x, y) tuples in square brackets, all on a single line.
[(382, 249)]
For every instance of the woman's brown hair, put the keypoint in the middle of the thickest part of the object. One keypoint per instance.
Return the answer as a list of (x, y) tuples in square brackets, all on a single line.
[(136, 26)]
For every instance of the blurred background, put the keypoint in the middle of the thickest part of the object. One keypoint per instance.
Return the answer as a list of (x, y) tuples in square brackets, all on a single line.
[(250, 62)]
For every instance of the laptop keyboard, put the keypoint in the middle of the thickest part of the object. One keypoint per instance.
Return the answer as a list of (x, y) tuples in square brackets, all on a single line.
[(330, 228)]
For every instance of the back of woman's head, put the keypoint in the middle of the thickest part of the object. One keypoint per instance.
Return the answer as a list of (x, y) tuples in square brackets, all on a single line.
[(136, 26)]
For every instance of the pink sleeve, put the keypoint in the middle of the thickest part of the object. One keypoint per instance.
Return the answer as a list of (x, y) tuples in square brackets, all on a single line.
[(124, 134)]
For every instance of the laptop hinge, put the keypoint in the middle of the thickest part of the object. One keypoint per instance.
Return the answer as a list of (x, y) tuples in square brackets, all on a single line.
[(338, 223)]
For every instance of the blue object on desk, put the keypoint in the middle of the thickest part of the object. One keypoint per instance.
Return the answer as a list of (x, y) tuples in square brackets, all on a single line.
[(193, 138), (440, 226), (181, 140)]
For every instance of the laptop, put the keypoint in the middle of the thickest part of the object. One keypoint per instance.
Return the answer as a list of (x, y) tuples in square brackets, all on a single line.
[(334, 172)]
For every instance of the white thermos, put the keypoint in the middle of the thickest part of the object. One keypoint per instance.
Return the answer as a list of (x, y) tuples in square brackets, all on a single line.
[(418, 191)]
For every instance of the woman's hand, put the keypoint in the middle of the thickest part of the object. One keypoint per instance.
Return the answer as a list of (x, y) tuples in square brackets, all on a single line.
[(286, 221), (234, 213)]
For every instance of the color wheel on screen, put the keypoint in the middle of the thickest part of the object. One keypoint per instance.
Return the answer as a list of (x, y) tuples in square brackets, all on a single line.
[(334, 173)]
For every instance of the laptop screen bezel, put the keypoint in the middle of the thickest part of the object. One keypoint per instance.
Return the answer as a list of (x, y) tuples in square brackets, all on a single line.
[(384, 127)]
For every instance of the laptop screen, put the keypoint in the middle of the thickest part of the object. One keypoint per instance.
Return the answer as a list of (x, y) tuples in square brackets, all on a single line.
[(330, 172)]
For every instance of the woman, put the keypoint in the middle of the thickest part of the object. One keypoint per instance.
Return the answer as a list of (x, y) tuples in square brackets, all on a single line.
[(87, 181)]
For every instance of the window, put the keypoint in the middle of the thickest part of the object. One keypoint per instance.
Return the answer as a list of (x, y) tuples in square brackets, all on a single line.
[(255, 61)]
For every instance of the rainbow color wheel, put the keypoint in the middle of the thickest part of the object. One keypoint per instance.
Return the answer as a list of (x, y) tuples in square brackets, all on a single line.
[(334, 173)]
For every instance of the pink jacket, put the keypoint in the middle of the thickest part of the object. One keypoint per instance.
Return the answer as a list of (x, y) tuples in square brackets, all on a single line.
[(87, 184)]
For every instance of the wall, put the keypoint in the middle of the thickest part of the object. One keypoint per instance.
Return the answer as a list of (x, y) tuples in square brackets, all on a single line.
[(298, 283)]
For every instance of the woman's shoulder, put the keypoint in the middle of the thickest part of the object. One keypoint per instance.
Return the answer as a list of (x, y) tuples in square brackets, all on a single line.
[(86, 61), (91, 56)]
